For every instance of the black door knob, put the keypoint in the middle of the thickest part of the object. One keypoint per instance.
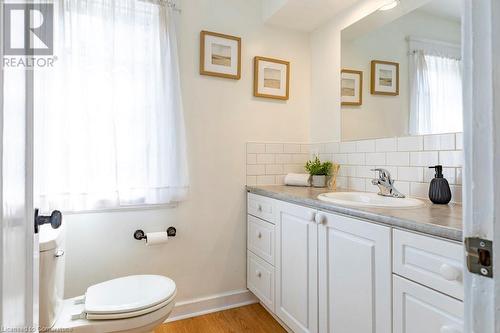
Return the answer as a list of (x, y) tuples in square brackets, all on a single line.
[(55, 219)]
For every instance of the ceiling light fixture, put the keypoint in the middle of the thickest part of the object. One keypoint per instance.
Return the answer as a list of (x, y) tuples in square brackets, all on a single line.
[(390, 5)]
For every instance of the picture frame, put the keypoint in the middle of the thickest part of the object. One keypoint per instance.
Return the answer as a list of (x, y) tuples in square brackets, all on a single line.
[(384, 78), (220, 55), (351, 87), (271, 78)]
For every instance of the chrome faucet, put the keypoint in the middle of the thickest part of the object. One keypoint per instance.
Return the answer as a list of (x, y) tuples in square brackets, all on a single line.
[(386, 184)]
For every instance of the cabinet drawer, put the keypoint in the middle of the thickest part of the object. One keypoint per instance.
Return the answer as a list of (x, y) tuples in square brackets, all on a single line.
[(260, 279), (418, 309), (260, 238), (261, 207), (432, 262)]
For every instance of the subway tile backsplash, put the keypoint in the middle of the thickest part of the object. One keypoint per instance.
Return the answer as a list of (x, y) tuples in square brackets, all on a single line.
[(406, 158)]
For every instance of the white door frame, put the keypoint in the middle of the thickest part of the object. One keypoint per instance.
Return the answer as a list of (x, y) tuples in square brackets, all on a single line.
[(481, 203)]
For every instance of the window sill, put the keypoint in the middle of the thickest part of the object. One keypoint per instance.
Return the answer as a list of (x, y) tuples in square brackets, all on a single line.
[(130, 208)]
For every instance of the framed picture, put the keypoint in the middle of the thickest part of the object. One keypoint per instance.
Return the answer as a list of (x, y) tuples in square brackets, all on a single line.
[(384, 78), (271, 78), (351, 87), (220, 55)]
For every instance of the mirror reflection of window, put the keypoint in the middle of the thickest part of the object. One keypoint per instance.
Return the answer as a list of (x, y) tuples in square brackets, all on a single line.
[(424, 39)]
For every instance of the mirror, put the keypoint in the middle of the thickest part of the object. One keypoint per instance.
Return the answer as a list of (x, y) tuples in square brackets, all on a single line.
[(401, 71)]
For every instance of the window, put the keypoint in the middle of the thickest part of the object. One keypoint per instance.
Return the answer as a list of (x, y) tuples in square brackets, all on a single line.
[(435, 88), (109, 128)]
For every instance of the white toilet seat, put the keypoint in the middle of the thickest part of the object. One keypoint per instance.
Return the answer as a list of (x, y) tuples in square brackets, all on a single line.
[(127, 312)]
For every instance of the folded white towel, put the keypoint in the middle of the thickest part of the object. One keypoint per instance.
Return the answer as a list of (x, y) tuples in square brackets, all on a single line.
[(298, 179)]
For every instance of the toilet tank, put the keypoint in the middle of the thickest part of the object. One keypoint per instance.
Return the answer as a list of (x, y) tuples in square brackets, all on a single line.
[(51, 283)]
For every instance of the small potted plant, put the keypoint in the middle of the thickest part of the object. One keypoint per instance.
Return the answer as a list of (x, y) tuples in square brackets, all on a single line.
[(319, 171)]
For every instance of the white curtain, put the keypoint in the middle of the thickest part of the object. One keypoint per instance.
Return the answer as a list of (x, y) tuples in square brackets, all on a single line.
[(435, 93), (109, 126)]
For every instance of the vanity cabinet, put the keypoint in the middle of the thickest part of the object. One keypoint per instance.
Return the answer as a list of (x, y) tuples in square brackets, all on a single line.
[(297, 268), (354, 275), (329, 273)]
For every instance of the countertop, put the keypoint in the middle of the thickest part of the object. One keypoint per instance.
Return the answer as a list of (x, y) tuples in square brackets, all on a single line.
[(436, 220)]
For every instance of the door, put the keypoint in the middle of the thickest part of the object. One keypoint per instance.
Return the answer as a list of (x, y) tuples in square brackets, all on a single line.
[(420, 309), (481, 176), (354, 275), (18, 243), (296, 268)]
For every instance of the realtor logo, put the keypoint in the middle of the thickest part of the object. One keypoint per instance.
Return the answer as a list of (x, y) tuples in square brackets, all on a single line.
[(29, 29)]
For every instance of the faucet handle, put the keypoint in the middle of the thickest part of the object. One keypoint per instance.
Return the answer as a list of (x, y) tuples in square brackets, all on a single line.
[(383, 174)]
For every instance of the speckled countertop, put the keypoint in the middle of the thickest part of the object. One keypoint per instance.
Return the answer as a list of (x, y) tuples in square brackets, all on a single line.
[(436, 220)]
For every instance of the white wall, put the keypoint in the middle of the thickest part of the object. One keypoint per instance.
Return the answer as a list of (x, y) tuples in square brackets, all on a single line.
[(208, 255), (387, 116)]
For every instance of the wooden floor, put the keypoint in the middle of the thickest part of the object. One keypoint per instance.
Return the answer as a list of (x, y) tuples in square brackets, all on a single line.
[(251, 318)]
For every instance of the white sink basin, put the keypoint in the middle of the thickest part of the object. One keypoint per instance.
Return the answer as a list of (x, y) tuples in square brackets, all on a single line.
[(365, 199)]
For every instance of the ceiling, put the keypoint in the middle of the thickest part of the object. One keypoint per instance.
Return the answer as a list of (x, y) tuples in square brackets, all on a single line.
[(449, 9), (303, 15)]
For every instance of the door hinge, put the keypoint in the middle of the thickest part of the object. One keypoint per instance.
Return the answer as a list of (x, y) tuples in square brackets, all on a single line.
[(479, 256)]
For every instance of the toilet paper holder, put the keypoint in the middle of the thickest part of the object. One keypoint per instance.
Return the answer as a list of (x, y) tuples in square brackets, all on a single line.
[(140, 234)]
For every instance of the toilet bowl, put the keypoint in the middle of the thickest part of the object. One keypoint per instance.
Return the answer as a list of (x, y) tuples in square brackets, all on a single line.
[(135, 303)]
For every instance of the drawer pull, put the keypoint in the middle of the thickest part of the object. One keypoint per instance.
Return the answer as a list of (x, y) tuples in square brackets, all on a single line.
[(449, 329), (258, 273), (450, 273), (259, 208), (312, 216), (320, 219), (259, 235)]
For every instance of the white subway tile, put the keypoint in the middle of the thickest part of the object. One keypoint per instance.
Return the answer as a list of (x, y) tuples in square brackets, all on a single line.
[(300, 158), (413, 174), (251, 159), (326, 157), (347, 170), (451, 158), (274, 169), (402, 186), (315, 149), (375, 158), (265, 159), (256, 148), (251, 180), (256, 169), (348, 147), (293, 168), (424, 159), (342, 182), (356, 184), (274, 148), (294, 148), (411, 143), (448, 173), (370, 187), (266, 180), (439, 142), (398, 158), (283, 158), (280, 179), (356, 158), (340, 158), (332, 147), (385, 145), (365, 146), (459, 137), (456, 193), (419, 190), (459, 176), (305, 149), (365, 171)]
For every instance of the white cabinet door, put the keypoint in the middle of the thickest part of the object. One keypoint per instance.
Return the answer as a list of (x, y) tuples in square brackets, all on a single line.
[(354, 275), (296, 268), (418, 309)]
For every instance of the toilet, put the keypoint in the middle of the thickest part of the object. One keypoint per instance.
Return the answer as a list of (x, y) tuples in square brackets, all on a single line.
[(132, 304)]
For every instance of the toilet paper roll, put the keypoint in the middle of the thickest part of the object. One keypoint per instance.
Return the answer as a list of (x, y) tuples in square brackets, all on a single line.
[(155, 238)]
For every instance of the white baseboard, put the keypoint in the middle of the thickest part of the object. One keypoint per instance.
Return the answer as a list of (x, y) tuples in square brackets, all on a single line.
[(214, 303)]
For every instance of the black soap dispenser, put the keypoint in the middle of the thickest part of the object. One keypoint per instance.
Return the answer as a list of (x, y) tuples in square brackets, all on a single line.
[(439, 190)]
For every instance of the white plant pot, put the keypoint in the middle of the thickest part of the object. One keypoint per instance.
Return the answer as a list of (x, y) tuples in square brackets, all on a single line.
[(319, 181)]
